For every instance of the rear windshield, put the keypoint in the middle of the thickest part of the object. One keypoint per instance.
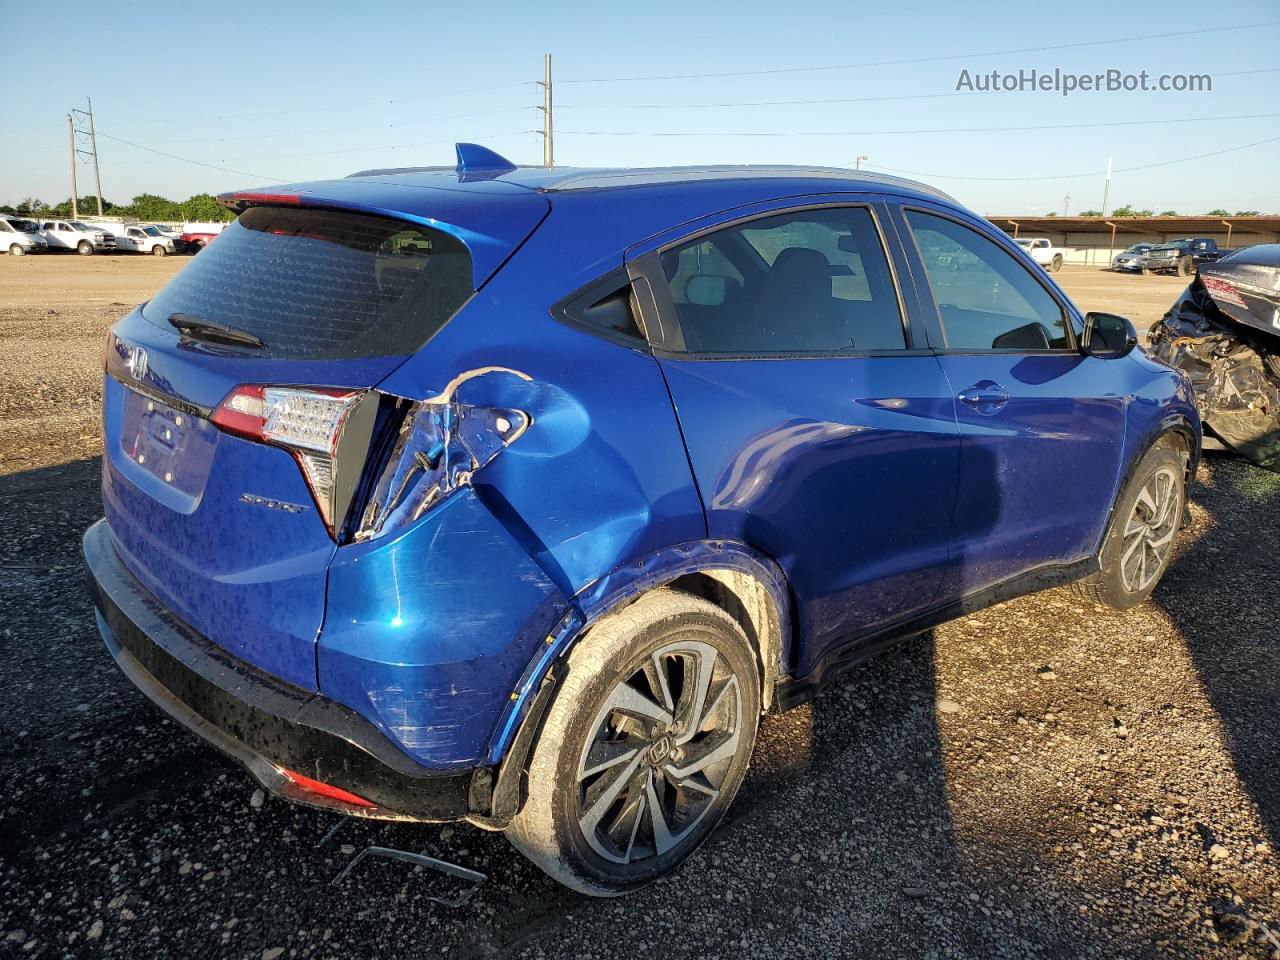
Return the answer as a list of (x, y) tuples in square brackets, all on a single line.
[(323, 284)]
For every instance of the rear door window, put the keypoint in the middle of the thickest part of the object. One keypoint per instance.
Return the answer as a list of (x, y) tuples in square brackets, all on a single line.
[(813, 282), (323, 284)]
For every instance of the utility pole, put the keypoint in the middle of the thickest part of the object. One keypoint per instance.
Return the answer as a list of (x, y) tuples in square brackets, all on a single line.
[(1106, 188), (93, 145), (857, 161), (548, 130), (71, 143)]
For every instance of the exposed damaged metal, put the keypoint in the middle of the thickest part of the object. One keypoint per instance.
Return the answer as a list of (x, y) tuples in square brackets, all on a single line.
[(1224, 332), (440, 444)]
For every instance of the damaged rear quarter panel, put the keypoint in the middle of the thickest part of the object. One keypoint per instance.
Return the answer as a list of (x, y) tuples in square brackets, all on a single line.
[(599, 478), (428, 632)]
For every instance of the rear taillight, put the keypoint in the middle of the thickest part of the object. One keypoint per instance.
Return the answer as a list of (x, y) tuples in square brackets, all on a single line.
[(307, 421), (1222, 290), (437, 446)]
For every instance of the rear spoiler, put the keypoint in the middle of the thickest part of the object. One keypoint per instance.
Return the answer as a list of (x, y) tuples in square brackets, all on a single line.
[(490, 217)]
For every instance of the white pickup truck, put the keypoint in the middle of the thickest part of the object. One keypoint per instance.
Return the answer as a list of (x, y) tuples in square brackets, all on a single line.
[(1042, 252), (137, 238), (75, 235)]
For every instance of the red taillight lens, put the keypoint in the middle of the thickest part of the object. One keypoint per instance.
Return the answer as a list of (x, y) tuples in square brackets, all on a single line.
[(327, 791), (1222, 290), (306, 421)]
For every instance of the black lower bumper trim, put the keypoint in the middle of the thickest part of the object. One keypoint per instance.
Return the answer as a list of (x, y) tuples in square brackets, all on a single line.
[(265, 724)]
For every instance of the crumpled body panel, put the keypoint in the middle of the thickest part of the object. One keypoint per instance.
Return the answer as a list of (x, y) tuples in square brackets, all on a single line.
[(1216, 333)]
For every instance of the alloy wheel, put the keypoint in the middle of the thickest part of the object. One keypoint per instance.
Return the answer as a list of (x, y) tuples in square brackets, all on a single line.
[(660, 750), (1148, 533)]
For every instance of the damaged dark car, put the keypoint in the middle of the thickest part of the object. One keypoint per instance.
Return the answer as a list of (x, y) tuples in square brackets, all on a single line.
[(1224, 332)]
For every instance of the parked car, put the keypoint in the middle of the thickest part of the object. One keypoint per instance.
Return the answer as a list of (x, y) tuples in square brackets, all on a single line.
[(516, 496), (1130, 260), (77, 235), (196, 237), (19, 236), (1042, 251), (137, 238), (1224, 332), (1181, 256)]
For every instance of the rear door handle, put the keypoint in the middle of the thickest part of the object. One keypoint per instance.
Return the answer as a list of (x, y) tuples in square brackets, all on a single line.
[(985, 396)]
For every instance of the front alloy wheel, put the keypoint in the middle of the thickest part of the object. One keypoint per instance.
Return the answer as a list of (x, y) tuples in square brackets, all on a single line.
[(1148, 533), (644, 746), (1139, 543)]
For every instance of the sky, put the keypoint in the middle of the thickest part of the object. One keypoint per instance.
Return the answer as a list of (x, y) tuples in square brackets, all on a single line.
[(251, 94)]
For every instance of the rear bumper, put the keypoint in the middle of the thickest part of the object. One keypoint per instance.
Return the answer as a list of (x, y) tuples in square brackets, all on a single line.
[(270, 727)]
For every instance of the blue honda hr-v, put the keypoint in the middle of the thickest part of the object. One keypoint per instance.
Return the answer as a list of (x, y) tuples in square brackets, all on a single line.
[(516, 496)]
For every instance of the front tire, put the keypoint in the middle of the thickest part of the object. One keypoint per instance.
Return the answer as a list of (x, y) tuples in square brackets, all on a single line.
[(158, 251), (1144, 525), (643, 748), (84, 248), (17, 250), (1186, 267)]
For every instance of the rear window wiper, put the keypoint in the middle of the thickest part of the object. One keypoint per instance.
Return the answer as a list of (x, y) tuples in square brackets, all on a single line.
[(190, 325)]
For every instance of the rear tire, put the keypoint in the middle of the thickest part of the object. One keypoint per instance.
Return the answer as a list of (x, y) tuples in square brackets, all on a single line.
[(84, 248), (1057, 264), (657, 712), (1144, 526), (17, 250)]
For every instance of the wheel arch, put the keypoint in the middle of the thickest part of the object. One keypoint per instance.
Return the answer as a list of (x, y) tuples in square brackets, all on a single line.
[(747, 585), (1175, 427)]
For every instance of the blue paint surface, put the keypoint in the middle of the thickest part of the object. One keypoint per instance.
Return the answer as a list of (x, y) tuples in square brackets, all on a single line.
[(855, 488)]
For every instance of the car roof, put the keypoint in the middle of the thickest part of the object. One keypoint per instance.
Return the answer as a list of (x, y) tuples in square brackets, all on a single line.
[(564, 179), (492, 205)]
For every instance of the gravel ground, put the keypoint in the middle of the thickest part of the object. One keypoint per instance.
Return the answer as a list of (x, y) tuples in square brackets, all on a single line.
[(1043, 779)]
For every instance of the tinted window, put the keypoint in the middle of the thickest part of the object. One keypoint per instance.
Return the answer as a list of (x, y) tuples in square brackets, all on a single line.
[(798, 283), (987, 300), (323, 284)]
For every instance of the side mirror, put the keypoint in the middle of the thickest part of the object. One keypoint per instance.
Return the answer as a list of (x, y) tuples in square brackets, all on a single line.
[(1107, 336)]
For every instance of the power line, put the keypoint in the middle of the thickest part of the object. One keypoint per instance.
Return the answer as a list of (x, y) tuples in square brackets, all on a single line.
[(917, 60), (371, 126), (198, 163), (1075, 176), (922, 130), (827, 100), (310, 153), (347, 106)]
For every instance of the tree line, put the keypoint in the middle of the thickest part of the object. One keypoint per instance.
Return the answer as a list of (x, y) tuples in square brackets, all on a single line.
[(202, 207), (1127, 211)]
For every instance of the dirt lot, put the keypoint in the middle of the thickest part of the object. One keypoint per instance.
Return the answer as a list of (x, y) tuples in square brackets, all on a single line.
[(1043, 779)]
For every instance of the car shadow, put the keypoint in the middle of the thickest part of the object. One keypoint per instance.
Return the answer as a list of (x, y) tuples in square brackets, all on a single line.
[(1220, 593)]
